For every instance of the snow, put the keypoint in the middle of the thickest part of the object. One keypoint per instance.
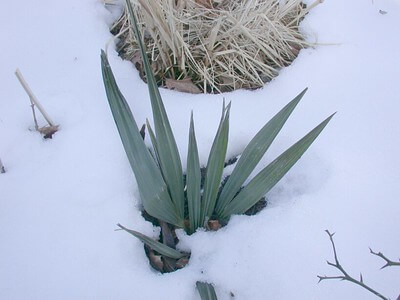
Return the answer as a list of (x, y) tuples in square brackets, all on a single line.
[(60, 199)]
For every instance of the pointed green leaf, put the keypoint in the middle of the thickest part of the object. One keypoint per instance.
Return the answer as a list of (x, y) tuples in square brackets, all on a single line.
[(157, 246), (193, 181), (153, 141), (270, 175), (206, 291), (170, 161), (253, 153), (152, 188), (215, 166)]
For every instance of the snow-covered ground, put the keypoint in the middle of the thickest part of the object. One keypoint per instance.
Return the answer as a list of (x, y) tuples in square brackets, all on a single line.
[(60, 199)]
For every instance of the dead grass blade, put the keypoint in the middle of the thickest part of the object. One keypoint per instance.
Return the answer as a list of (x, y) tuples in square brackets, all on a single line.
[(221, 45)]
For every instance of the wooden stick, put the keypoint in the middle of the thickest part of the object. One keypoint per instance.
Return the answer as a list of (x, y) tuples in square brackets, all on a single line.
[(32, 97), (34, 115)]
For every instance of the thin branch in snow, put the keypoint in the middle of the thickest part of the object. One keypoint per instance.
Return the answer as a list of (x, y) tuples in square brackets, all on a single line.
[(47, 131), (389, 263), (2, 169), (346, 276)]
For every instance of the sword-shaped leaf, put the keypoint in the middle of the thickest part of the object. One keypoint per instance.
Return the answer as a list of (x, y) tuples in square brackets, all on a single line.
[(271, 174), (157, 246), (152, 188), (193, 181), (206, 291), (153, 141), (170, 161), (215, 166), (253, 153)]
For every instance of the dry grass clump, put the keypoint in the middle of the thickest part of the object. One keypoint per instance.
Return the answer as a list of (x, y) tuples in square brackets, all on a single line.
[(215, 45)]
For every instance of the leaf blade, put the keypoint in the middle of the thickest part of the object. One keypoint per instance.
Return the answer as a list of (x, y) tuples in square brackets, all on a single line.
[(193, 180), (170, 161), (153, 142), (253, 153), (215, 165), (271, 174), (157, 246), (152, 187), (206, 291)]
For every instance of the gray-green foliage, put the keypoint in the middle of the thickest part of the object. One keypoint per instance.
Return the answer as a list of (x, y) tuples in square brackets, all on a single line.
[(193, 181), (215, 166), (159, 173), (152, 187), (157, 246), (169, 160), (206, 291)]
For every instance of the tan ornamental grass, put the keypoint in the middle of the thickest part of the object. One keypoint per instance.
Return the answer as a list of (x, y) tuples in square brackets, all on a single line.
[(214, 46)]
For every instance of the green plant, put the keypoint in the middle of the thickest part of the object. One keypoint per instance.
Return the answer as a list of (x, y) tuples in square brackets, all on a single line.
[(179, 200)]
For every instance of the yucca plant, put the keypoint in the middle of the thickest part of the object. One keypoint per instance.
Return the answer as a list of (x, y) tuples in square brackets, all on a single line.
[(179, 200)]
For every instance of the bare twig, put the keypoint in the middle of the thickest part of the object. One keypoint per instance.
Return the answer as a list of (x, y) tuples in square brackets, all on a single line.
[(389, 263), (345, 275), (2, 169)]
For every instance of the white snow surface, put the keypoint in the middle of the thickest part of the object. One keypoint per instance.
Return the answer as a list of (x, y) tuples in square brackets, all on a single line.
[(60, 199)]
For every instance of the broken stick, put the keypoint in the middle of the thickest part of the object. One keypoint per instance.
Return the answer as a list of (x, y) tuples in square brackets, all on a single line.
[(34, 100), (47, 131)]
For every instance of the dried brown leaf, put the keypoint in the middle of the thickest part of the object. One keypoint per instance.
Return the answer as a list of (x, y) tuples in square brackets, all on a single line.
[(185, 85), (136, 59), (155, 260), (181, 263), (214, 225)]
